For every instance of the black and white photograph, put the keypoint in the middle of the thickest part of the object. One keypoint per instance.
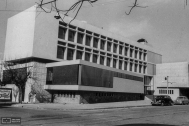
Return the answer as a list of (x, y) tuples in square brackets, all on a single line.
[(94, 62)]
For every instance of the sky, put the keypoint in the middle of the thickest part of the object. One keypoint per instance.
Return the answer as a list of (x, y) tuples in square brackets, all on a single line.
[(163, 23)]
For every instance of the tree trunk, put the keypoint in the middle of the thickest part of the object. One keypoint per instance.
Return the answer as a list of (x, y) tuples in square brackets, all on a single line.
[(20, 94)]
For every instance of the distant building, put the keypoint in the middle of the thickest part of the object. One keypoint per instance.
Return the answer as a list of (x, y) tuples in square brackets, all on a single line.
[(85, 64), (178, 79)]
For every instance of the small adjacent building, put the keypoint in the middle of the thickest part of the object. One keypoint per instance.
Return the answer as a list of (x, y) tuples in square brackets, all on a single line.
[(172, 79), (80, 63)]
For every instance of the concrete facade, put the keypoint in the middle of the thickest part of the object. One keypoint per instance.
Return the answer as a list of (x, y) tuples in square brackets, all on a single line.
[(178, 78), (41, 37)]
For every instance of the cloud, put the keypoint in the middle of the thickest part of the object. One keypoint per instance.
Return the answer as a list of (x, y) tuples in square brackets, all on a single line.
[(130, 28)]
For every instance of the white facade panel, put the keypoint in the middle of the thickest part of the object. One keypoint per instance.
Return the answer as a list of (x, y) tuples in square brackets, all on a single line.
[(177, 74), (20, 34)]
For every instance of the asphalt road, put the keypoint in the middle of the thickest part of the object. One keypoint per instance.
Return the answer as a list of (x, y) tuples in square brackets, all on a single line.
[(176, 115)]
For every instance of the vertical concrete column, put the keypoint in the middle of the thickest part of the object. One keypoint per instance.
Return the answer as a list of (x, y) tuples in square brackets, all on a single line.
[(91, 57), (66, 35), (83, 56), (138, 54), (111, 62), (118, 49), (128, 66), (142, 69), (105, 60), (117, 63), (122, 66), (112, 47), (142, 56), (138, 68), (74, 55), (128, 51), (92, 38), (75, 37), (65, 53), (98, 59), (133, 67), (84, 39), (98, 46), (27, 90), (105, 45)]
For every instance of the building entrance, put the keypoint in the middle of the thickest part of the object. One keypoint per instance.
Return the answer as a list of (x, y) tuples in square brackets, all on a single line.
[(184, 92)]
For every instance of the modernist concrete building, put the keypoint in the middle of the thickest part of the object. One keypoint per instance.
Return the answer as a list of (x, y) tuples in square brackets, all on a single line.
[(85, 64), (178, 79)]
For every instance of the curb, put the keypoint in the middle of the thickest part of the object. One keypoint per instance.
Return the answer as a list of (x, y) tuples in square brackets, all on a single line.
[(41, 108)]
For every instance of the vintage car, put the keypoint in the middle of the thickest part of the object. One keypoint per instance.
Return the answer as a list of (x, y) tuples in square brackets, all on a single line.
[(182, 100), (162, 100)]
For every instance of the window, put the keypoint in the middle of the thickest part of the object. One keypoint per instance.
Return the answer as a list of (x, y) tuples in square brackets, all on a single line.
[(70, 54), (95, 42), (136, 66), (60, 52), (120, 50), (115, 48), (131, 66), (71, 35), (144, 69), (95, 58), (140, 55), (62, 33), (140, 68), (126, 51), (102, 44), (80, 38), (88, 40), (87, 56), (120, 64), (101, 60), (136, 52), (50, 74), (79, 55), (131, 53), (109, 46), (108, 61), (114, 63), (125, 66)]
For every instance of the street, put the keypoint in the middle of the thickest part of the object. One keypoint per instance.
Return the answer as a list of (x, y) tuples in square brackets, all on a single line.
[(176, 115)]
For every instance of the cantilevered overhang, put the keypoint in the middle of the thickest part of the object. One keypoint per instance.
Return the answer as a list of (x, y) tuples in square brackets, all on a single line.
[(82, 62)]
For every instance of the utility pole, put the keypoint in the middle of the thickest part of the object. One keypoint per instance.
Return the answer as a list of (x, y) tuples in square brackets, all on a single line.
[(166, 78)]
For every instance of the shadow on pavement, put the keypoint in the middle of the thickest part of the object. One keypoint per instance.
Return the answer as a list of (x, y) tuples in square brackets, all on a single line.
[(145, 125)]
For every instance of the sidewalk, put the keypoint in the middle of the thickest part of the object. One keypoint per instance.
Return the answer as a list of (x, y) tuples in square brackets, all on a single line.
[(57, 106)]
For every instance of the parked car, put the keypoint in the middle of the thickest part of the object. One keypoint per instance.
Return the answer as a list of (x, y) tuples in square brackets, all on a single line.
[(162, 100), (182, 100)]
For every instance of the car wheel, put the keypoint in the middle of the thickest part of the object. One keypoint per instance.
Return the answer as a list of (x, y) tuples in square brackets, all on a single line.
[(182, 103)]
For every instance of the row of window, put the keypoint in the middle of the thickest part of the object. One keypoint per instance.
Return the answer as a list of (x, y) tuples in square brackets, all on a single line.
[(89, 39), (66, 94), (165, 91), (103, 60)]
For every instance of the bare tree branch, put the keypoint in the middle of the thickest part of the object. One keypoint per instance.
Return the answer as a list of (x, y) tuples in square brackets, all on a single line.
[(134, 5), (54, 7)]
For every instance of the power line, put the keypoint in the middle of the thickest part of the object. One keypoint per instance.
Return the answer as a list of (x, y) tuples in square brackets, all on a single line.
[(87, 6), (105, 3)]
